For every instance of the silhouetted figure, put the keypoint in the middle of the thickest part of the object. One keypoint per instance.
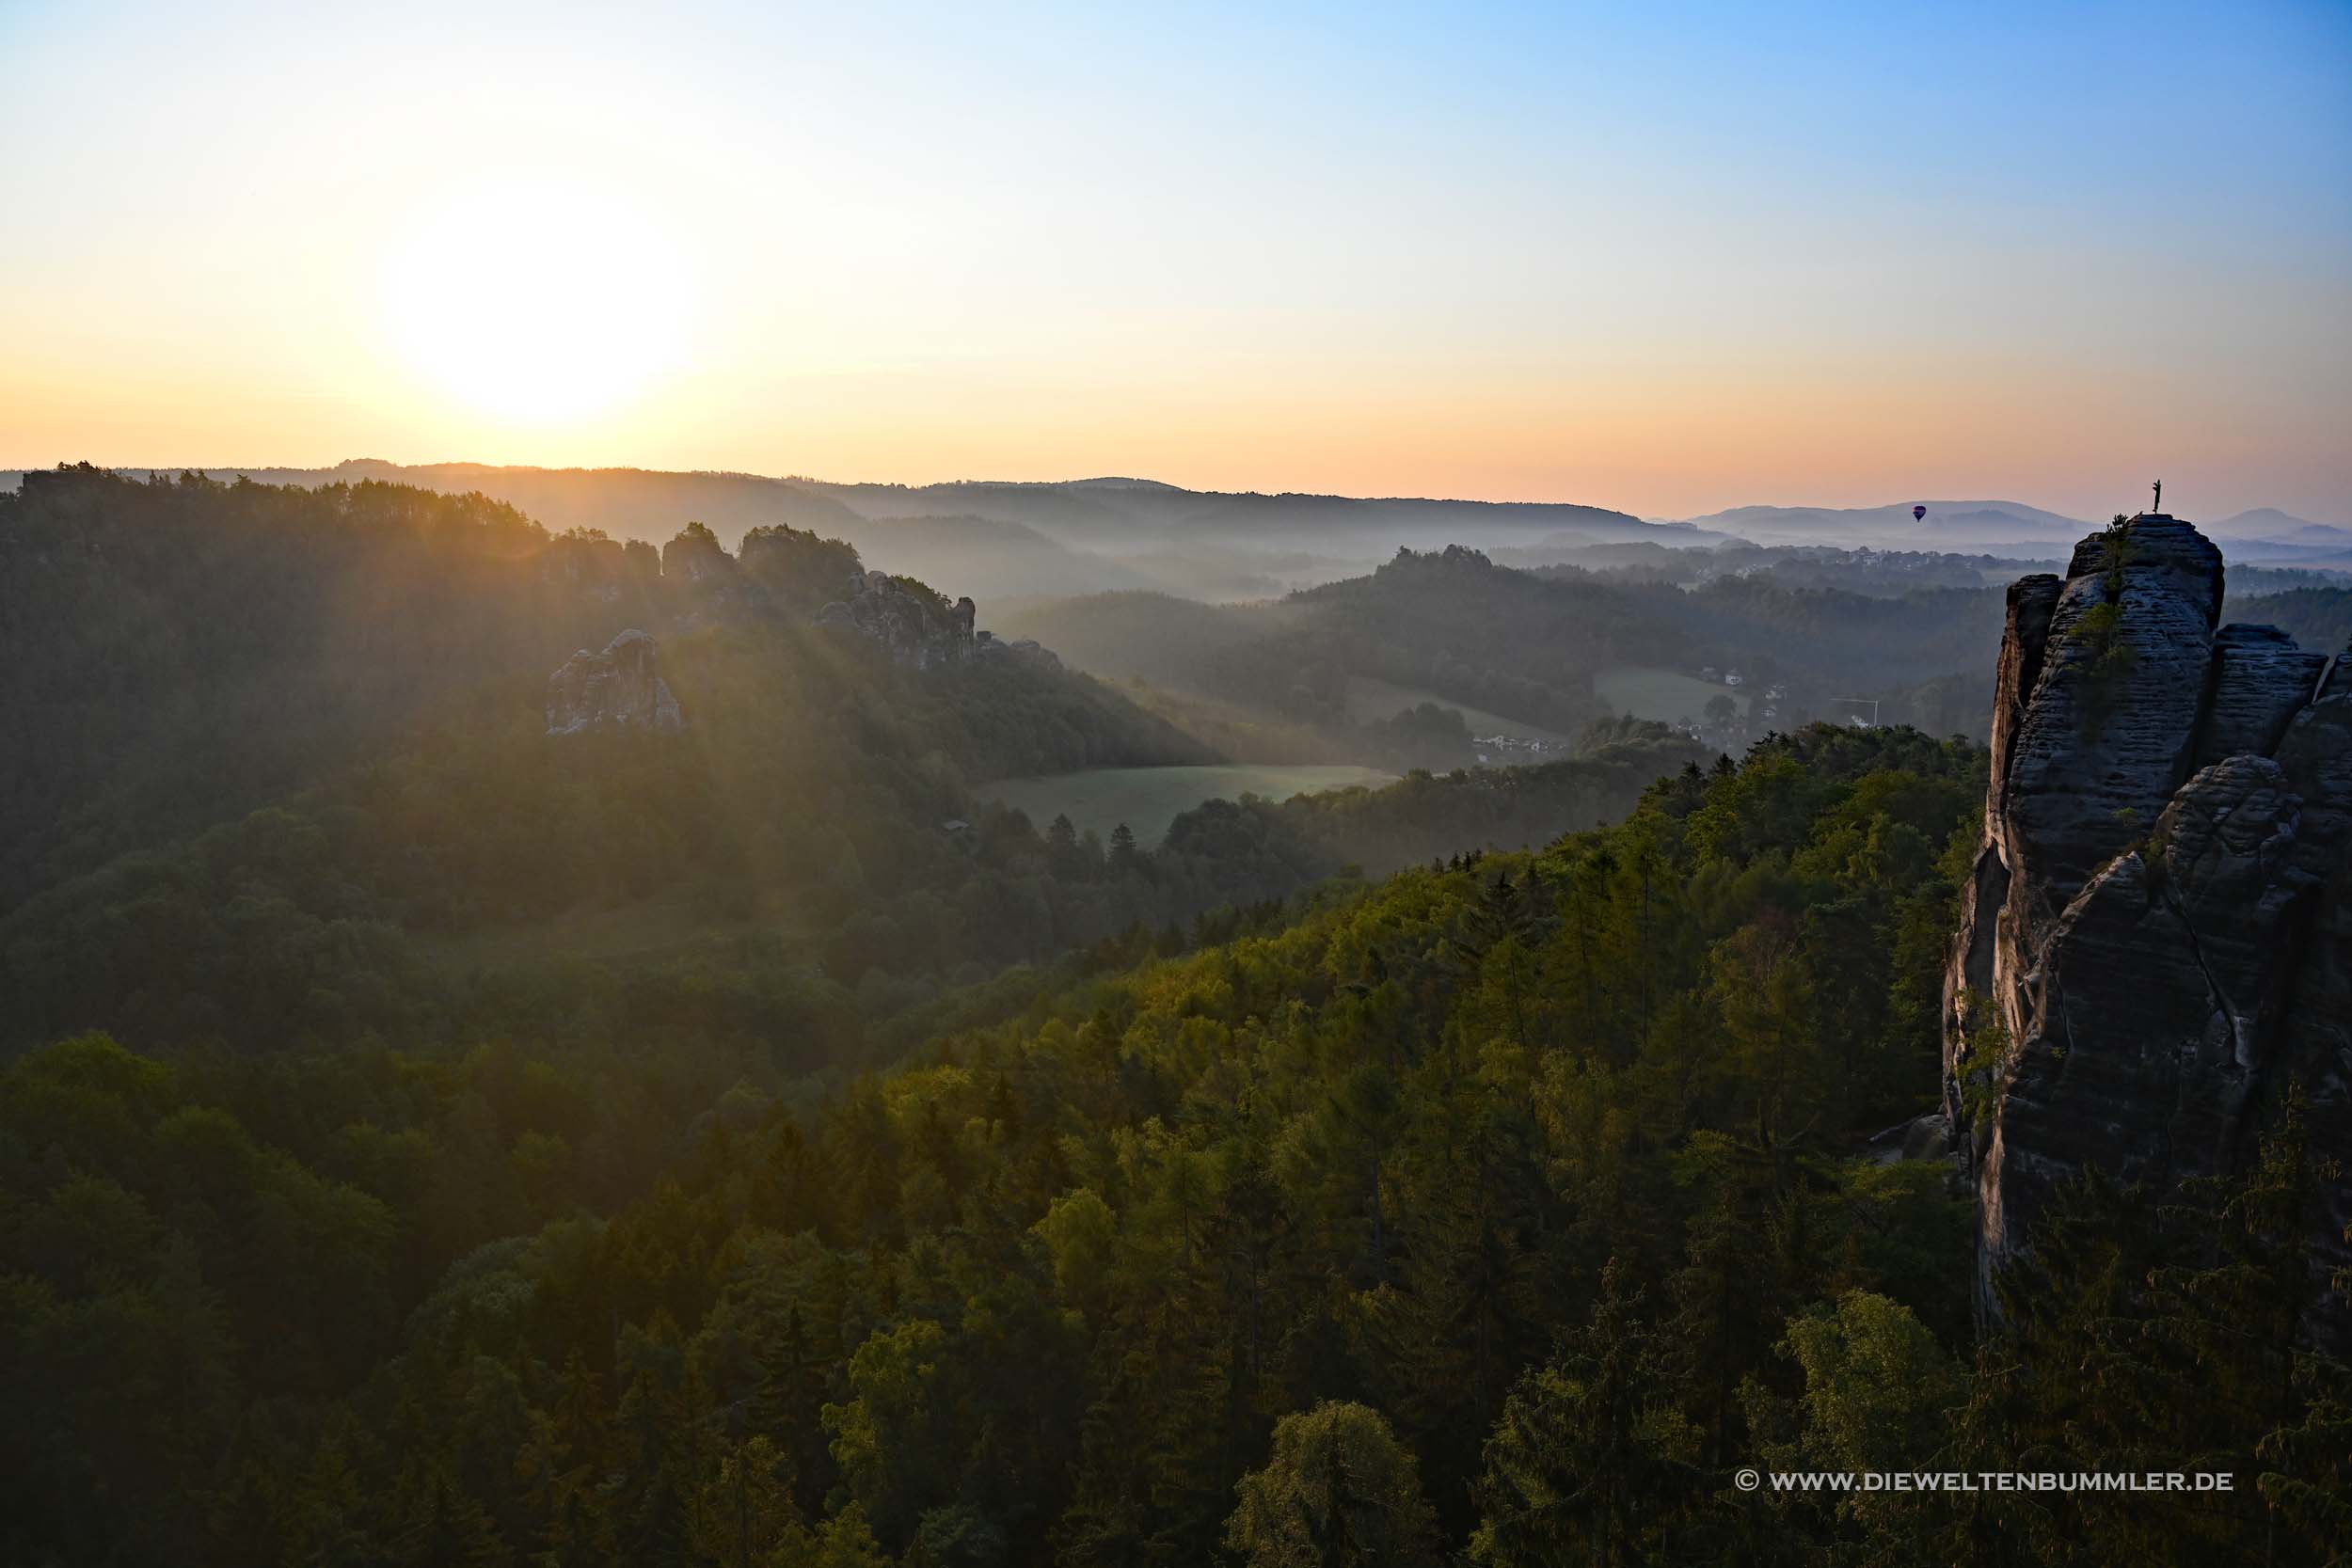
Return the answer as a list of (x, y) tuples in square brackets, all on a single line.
[(2158, 508)]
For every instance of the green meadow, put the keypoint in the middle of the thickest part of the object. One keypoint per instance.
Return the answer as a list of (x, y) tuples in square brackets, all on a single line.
[(1664, 695)]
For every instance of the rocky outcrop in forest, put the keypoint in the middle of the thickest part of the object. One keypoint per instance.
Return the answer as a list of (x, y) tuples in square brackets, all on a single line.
[(2156, 940), (781, 574), (1021, 650), (618, 688), (916, 624)]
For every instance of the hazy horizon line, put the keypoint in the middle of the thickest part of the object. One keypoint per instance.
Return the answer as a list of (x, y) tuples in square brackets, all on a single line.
[(1993, 498)]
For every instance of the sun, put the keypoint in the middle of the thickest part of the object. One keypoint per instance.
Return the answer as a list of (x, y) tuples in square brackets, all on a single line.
[(537, 302)]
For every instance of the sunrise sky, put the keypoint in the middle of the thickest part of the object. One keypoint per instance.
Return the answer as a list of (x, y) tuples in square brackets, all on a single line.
[(1661, 258)]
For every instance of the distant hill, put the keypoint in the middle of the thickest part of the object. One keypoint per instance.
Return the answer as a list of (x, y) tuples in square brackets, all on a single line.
[(2012, 528), (1123, 514), (1949, 525), (1119, 516), (2278, 538), (626, 503), (991, 557), (1054, 538), (998, 538), (1053, 510), (1529, 645), (2268, 522), (987, 555)]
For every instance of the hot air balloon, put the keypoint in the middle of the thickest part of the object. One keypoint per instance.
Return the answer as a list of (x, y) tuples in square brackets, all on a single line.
[(1918, 513)]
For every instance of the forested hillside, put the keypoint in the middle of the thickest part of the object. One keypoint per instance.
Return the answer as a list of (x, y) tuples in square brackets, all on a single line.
[(491, 880), (182, 650), (2315, 617), (185, 650), (1503, 1208), (1529, 645), (290, 781)]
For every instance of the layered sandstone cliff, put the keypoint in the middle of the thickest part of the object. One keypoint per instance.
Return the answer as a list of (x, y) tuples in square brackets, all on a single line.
[(2158, 937)]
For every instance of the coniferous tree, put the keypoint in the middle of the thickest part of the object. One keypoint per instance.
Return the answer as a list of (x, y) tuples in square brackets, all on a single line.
[(1338, 1492)]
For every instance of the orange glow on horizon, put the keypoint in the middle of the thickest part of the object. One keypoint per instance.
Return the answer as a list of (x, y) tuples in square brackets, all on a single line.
[(823, 243)]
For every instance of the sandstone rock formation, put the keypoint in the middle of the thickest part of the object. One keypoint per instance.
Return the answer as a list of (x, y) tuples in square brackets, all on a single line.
[(2157, 935), (917, 625), (618, 688), (781, 574), (1021, 650)]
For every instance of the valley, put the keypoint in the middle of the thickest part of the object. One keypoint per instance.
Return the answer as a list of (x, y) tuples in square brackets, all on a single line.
[(699, 980)]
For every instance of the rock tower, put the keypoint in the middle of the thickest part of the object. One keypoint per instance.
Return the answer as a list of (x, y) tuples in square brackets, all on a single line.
[(2157, 935)]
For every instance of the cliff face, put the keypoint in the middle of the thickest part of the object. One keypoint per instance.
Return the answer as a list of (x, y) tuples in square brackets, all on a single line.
[(917, 627), (618, 688), (2157, 935)]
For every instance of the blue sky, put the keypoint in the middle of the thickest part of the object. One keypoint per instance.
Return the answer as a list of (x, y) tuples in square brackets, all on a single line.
[(1664, 258)]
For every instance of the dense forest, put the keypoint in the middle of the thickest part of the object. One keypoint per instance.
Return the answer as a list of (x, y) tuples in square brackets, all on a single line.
[(444, 885), (1502, 1208), (425, 1138)]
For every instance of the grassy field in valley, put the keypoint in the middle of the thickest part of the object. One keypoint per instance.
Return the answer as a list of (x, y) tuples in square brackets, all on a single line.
[(1664, 695), (1149, 799)]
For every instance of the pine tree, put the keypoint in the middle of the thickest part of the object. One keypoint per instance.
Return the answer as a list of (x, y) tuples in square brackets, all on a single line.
[(1339, 1492), (449, 1529), (1590, 1463)]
